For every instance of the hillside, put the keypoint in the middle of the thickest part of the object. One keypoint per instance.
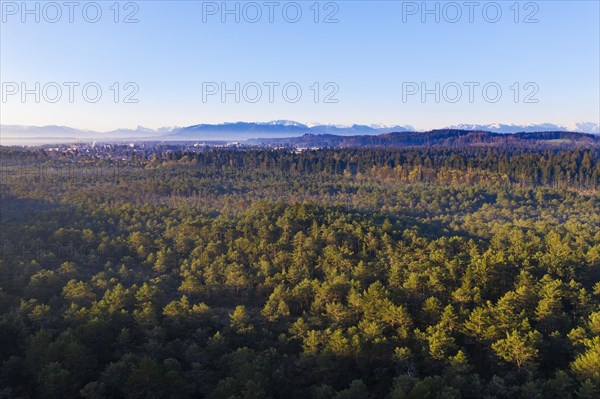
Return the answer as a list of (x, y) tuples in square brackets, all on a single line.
[(444, 137)]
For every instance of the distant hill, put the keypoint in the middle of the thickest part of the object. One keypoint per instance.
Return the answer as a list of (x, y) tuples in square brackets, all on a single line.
[(36, 135), (443, 137)]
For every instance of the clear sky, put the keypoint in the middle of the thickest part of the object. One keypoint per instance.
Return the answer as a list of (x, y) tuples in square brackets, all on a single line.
[(370, 66)]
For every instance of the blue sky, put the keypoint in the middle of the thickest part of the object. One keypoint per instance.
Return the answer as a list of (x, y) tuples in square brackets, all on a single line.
[(370, 57)]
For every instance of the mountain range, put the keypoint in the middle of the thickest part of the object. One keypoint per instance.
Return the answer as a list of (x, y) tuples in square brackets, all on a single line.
[(35, 135), (586, 127)]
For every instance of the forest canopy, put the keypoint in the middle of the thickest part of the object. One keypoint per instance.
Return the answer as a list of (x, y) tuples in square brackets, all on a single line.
[(349, 273)]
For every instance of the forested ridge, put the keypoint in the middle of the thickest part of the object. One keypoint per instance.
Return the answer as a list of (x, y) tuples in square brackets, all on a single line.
[(441, 138), (348, 273)]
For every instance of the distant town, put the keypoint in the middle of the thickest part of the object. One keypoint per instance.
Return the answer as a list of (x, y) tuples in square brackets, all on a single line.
[(148, 149)]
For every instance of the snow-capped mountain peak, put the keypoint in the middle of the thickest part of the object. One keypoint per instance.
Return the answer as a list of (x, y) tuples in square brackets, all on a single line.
[(585, 127), (283, 123)]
